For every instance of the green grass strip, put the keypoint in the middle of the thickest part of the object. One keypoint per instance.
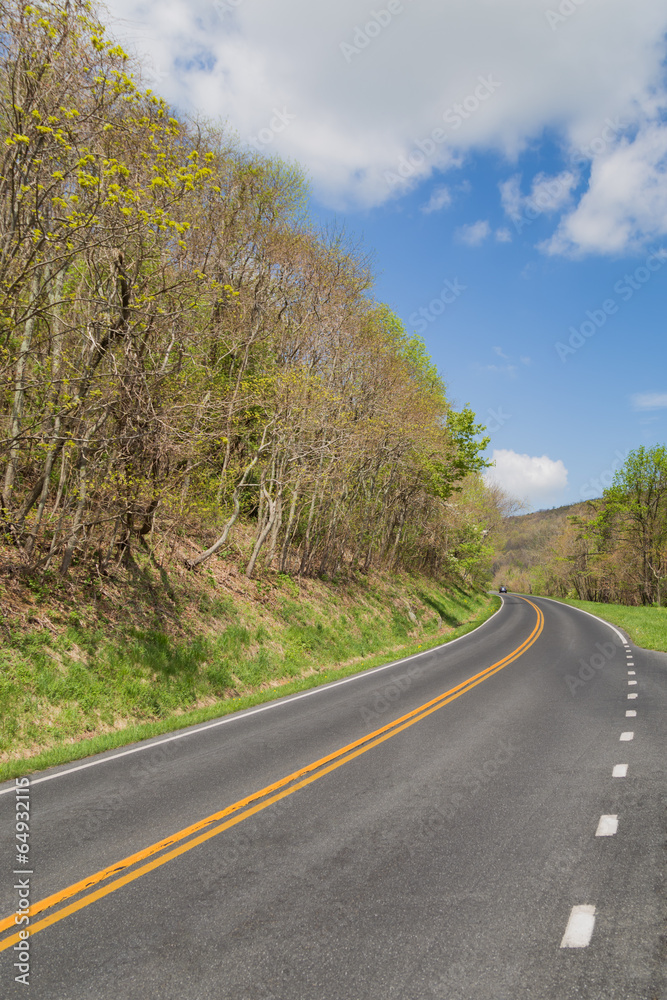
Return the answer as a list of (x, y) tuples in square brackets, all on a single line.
[(66, 753), (646, 626)]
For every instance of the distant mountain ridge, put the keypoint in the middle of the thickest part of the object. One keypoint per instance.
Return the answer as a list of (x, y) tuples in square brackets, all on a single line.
[(526, 543)]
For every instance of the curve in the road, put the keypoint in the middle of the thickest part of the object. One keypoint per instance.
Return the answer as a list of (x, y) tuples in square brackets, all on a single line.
[(250, 805)]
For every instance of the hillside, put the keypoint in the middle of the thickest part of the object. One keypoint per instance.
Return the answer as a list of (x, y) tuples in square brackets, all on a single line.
[(527, 545), (89, 663)]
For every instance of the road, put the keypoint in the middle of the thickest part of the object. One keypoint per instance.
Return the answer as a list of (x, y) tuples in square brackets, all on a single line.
[(484, 821)]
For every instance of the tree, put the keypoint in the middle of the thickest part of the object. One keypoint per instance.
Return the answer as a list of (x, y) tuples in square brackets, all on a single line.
[(634, 511), (181, 351)]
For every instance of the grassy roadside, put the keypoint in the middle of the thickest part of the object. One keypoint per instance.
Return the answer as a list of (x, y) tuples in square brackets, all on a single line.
[(176, 655), (646, 626)]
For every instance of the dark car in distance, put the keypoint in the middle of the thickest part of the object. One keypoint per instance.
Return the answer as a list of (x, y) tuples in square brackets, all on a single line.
[(502, 590)]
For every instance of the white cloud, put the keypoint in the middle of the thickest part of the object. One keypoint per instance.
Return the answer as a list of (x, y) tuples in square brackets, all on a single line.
[(649, 400), (475, 233), (547, 195), (510, 196), (537, 479), (503, 235), (626, 201), (489, 74), (441, 198)]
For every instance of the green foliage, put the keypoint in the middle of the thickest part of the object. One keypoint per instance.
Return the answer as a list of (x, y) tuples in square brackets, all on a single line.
[(183, 352), (57, 687), (464, 431), (611, 550)]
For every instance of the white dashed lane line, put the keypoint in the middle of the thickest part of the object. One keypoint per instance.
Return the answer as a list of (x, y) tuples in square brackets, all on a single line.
[(607, 826), (579, 928)]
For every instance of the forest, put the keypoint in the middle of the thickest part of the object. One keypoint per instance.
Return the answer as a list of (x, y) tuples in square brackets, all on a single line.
[(611, 550), (183, 351)]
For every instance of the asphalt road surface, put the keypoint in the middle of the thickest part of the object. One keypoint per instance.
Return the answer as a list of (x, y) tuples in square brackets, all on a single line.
[(484, 821)]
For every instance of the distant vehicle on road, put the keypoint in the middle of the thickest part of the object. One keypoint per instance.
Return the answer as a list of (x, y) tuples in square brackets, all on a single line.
[(502, 590)]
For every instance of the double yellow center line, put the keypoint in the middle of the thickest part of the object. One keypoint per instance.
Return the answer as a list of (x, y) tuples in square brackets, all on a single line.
[(198, 833)]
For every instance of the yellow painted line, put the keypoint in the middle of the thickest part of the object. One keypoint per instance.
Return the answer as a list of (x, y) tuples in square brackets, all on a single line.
[(133, 859), (333, 760)]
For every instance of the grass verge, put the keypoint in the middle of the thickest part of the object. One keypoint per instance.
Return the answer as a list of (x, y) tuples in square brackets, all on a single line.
[(82, 689), (646, 626)]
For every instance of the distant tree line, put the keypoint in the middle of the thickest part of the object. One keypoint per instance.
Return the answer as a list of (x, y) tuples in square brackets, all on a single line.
[(613, 550), (181, 350)]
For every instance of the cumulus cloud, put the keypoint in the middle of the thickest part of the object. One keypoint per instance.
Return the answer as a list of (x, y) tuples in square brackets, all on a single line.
[(475, 233), (503, 235), (649, 400), (374, 96), (537, 479), (626, 202)]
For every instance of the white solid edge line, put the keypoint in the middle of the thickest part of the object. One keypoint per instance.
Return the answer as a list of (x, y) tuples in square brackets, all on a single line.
[(572, 608), (579, 928), (619, 771), (244, 714), (626, 737), (607, 827)]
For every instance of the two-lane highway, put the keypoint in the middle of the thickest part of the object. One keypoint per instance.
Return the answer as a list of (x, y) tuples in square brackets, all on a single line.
[(482, 820)]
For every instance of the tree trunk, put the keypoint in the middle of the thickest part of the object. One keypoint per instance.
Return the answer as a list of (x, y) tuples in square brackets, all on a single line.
[(19, 399)]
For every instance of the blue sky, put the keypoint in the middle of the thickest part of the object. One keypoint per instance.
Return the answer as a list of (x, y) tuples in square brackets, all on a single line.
[(506, 163)]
